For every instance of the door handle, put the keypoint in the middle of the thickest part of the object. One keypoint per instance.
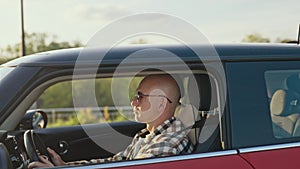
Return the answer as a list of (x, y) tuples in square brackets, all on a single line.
[(63, 147)]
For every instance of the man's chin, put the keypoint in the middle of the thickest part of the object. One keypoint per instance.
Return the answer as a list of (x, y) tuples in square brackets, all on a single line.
[(137, 116)]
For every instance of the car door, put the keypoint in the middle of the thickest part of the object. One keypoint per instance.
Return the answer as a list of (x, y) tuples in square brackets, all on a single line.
[(75, 143), (78, 133), (264, 124), (279, 156), (224, 160), (214, 160)]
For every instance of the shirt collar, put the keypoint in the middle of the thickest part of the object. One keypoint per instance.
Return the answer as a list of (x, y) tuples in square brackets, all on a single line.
[(159, 129)]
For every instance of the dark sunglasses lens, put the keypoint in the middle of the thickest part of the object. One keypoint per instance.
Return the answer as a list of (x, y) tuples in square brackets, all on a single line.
[(138, 97)]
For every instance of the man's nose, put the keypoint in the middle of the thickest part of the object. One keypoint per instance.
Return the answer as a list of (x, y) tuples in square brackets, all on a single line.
[(134, 102)]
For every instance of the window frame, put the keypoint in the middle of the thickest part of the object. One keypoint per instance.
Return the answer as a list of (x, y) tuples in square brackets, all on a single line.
[(247, 87)]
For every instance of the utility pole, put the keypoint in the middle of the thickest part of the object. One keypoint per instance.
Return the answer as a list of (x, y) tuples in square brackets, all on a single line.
[(23, 47)]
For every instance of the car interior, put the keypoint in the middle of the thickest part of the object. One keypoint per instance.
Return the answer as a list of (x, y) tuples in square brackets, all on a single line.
[(199, 111), (201, 114), (284, 108)]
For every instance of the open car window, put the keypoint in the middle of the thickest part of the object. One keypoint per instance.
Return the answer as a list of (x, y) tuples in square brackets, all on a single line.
[(57, 101)]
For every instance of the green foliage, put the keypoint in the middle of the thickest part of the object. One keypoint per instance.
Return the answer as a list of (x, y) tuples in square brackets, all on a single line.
[(38, 42), (61, 122), (60, 96), (258, 38), (87, 117), (103, 90), (120, 118), (83, 117), (279, 40), (4, 59), (255, 38)]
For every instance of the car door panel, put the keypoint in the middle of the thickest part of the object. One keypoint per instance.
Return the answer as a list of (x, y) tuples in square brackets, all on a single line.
[(204, 160), (275, 159), (88, 141)]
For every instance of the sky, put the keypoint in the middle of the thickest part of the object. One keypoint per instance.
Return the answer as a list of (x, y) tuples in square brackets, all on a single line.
[(220, 21)]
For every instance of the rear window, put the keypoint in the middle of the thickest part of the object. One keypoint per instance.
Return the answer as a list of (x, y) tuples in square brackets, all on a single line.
[(283, 88)]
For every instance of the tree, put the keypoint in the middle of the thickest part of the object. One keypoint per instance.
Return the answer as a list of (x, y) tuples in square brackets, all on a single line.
[(256, 38), (38, 42), (57, 96), (286, 40), (4, 59)]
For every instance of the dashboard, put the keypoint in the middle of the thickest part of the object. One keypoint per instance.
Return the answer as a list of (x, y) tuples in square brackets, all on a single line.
[(16, 149)]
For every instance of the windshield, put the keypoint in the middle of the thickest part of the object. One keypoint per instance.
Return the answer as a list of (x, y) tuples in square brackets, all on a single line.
[(4, 71)]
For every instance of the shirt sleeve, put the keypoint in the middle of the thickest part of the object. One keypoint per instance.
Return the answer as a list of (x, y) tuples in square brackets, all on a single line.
[(158, 150), (167, 145)]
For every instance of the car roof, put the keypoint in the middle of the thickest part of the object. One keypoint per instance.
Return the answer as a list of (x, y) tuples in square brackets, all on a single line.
[(224, 52)]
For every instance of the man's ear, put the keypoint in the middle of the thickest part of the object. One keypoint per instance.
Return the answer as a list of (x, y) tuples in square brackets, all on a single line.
[(162, 105)]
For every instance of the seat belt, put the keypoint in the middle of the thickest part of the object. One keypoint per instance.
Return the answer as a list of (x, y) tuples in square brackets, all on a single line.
[(199, 124)]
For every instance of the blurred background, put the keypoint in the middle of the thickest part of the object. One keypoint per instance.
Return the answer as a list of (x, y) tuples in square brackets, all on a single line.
[(57, 24), (31, 26)]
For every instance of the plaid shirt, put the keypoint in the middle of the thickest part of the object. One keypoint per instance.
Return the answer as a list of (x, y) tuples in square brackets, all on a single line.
[(169, 138)]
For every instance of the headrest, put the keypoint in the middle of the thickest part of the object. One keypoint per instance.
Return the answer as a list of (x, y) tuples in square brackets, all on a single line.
[(284, 103), (179, 83), (188, 115), (293, 82), (201, 92)]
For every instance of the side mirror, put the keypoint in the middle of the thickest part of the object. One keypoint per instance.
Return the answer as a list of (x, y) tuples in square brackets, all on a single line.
[(34, 119)]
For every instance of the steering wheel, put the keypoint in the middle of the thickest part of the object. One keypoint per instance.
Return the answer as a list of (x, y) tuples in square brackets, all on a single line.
[(33, 145)]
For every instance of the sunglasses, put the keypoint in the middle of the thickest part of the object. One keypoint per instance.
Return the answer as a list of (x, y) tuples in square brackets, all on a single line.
[(140, 96)]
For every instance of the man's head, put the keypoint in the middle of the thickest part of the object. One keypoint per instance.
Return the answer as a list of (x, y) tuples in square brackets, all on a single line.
[(156, 99)]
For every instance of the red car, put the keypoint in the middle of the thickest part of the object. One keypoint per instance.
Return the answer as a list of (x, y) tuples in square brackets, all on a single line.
[(245, 101)]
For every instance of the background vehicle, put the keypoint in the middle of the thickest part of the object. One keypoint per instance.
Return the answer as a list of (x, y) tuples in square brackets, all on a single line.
[(246, 125)]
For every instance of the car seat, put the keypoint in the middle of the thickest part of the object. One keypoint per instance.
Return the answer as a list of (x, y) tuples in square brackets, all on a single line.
[(285, 109), (199, 114)]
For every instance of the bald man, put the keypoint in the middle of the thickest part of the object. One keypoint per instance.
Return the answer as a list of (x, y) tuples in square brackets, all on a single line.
[(155, 102)]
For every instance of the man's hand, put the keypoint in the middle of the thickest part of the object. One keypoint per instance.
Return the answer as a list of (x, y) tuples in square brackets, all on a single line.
[(56, 159)]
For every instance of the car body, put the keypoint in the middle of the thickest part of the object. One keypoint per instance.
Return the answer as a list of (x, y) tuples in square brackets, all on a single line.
[(251, 128)]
